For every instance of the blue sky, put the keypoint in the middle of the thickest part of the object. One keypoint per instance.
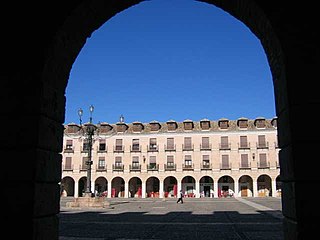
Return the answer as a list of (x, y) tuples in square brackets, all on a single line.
[(171, 59)]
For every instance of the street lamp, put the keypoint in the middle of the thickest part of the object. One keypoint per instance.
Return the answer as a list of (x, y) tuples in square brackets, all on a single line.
[(88, 131)]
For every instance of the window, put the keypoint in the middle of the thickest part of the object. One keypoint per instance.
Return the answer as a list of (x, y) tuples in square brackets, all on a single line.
[(260, 123), (224, 142), (102, 145), (225, 162), (170, 143), (243, 123), (119, 146), (223, 124), (243, 142), (244, 161), (68, 163), (188, 125), (205, 125), (170, 161), (153, 144), (263, 160), (135, 161), (205, 143), (135, 145), (84, 163), (101, 163), (85, 146), (262, 141), (118, 161), (152, 162), (187, 160), (187, 143), (205, 160), (69, 145), (154, 126)]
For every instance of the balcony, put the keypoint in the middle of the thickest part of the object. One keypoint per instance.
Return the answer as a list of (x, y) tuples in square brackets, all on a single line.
[(153, 148), (83, 167), (244, 166), (170, 167), (205, 147), (225, 146), (153, 167), (118, 149), (206, 166), (101, 168), (244, 146), (117, 167), (135, 148), (225, 166), (169, 148), (263, 145), (135, 167), (67, 167), (187, 167), (263, 165), (102, 149), (187, 147), (68, 149)]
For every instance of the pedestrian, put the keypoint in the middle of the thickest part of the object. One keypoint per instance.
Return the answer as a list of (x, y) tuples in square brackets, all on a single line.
[(180, 199)]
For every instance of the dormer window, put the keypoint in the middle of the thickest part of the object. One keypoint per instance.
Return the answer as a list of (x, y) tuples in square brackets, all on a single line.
[(260, 123), (137, 127), (105, 127), (274, 122), (242, 123), (223, 124), (155, 126), (121, 127), (188, 125), (172, 125), (72, 128), (205, 124)]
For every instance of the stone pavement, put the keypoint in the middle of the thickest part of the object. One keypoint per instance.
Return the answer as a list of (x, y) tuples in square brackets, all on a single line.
[(206, 218)]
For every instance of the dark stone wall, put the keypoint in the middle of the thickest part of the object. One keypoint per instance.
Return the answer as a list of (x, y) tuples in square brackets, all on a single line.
[(41, 40)]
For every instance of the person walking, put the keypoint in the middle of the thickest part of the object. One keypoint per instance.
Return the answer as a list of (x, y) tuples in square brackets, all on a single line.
[(180, 199)]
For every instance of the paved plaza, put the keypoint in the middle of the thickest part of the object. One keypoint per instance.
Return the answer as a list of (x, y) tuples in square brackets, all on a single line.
[(206, 218)]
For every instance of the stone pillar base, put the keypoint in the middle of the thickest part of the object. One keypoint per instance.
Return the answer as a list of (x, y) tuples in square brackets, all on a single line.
[(88, 201)]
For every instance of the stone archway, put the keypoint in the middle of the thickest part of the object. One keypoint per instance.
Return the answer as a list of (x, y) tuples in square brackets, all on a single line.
[(35, 84)]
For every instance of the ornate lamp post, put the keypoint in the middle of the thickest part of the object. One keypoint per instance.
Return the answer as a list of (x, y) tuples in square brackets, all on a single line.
[(88, 130)]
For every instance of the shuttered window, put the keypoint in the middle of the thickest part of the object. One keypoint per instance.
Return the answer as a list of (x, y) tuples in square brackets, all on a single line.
[(188, 125), (68, 163), (243, 124), (224, 142), (152, 159), (135, 145), (187, 143), (205, 160), (263, 160), (205, 142), (69, 144), (187, 160), (225, 161), (205, 125), (118, 161), (262, 141), (119, 144), (170, 143), (170, 160), (244, 161), (84, 163), (223, 124), (243, 141)]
